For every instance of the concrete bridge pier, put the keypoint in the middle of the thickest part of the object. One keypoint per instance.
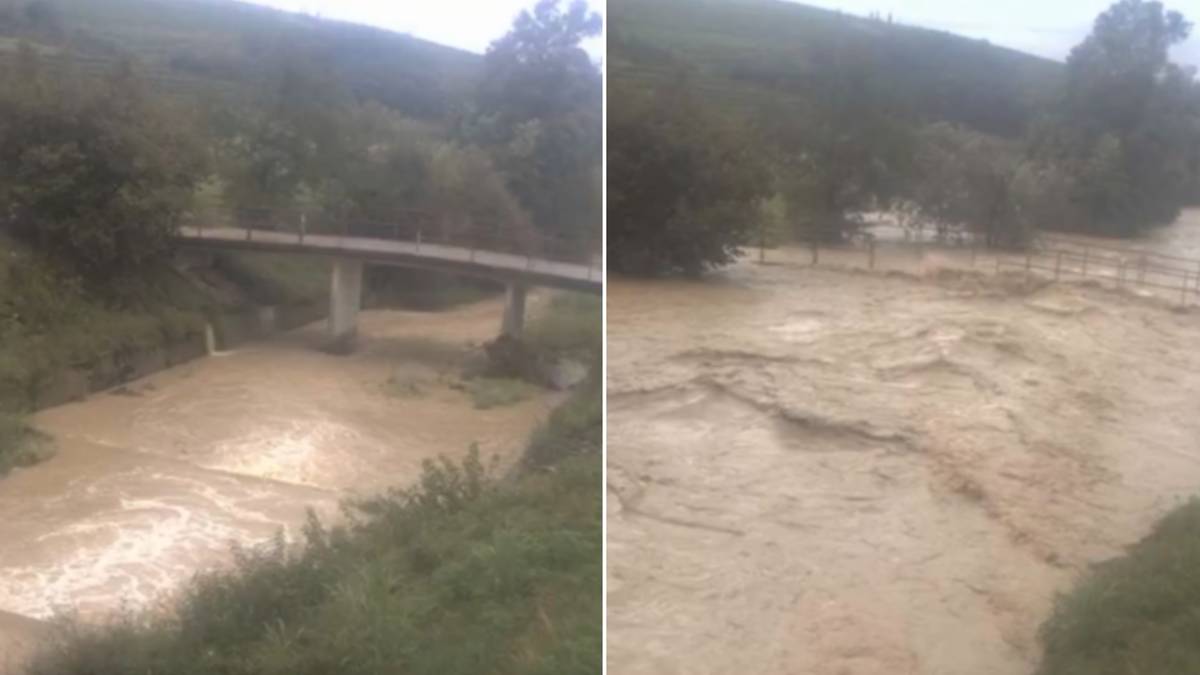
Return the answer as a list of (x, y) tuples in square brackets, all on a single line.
[(345, 299), (514, 310)]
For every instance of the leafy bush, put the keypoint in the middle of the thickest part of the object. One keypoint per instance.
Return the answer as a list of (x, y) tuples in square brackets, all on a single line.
[(682, 187), (1139, 613), (94, 174)]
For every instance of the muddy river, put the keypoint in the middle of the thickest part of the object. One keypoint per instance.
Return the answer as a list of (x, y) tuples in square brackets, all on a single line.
[(158, 480), (826, 472)]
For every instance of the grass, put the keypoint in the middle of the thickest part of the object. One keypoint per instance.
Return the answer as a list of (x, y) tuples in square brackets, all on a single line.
[(497, 392), (461, 574), (575, 427), (1139, 613), (277, 279), (20, 446), (569, 326)]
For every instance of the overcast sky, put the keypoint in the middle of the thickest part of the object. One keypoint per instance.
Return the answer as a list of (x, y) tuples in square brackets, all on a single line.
[(1045, 27), (466, 24)]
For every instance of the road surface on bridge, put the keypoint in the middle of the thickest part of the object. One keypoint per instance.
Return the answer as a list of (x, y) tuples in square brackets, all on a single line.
[(464, 260)]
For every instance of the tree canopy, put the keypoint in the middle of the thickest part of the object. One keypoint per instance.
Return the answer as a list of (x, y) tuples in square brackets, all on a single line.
[(683, 189), (96, 173)]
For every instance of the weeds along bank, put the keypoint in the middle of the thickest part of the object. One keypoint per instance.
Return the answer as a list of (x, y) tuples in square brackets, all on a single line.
[(465, 572)]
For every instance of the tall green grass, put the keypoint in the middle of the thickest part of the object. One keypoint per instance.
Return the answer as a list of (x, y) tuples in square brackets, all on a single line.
[(570, 325), (461, 574), (1138, 614)]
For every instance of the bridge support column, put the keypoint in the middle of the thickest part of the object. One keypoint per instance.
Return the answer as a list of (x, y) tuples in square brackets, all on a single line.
[(514, 311), (345, 299)]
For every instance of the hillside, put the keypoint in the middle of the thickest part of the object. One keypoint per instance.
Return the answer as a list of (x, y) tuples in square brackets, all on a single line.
[(187, 44), (745, 53)]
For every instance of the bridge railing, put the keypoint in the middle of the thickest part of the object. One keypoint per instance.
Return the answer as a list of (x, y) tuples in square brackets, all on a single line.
[(414, 227)]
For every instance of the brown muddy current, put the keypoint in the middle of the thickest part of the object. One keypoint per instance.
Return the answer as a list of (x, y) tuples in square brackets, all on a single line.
[(825, 472), (157, 481)]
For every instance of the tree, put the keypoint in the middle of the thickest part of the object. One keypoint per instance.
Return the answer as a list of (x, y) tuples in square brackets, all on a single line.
[(1126, 127), (539, 110), (963, 181), (95, 174), (292, 139), (683, 186), (842, 150)]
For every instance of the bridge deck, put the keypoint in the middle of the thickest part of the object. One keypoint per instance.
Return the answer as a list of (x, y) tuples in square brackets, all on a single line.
[(474, 262)]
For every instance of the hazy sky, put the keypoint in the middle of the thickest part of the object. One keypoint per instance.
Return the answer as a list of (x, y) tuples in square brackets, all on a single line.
[(467, 24), (1045, 27)]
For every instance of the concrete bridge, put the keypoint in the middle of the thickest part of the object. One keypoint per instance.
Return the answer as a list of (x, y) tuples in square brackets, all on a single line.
[(350, 252)]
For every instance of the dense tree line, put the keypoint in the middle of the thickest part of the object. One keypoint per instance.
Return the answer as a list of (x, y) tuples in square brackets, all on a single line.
[(100, 170), (1112, 145)]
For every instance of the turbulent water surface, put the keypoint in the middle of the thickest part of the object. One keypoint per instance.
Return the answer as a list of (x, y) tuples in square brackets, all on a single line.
[(828, 472), (157, 480)]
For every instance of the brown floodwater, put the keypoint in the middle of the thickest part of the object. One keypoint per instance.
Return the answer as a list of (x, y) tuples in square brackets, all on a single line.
[(157, 481), (824, 471)]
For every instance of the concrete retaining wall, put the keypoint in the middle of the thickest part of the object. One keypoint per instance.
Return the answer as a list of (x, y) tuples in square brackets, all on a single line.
[(231, 330)]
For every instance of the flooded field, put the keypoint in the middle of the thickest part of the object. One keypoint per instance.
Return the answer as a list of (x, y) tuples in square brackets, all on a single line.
[(824, 471), (156, 481)]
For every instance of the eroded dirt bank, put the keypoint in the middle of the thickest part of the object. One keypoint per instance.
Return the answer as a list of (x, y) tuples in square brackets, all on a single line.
[(156, 481), (824, 472)]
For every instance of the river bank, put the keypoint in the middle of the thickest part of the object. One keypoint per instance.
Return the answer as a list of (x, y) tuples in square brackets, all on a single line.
[(827, 471), (157, 479)]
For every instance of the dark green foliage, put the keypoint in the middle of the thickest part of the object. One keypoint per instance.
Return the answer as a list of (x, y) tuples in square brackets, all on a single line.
[(459, 575), (682, 184), (1139, 613), (1126, 129), (967, 181), (94, 174), (539, 110)]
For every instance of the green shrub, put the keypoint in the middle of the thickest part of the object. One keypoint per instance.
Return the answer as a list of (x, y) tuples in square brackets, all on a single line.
[(1139, 613)]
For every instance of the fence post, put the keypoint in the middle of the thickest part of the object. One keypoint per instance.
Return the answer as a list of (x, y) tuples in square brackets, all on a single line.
[(1057, 265), (1183, 290), (997, 264), (815, 251), (1028, 261), (303, 225), (1142, 269), (871, 252)]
